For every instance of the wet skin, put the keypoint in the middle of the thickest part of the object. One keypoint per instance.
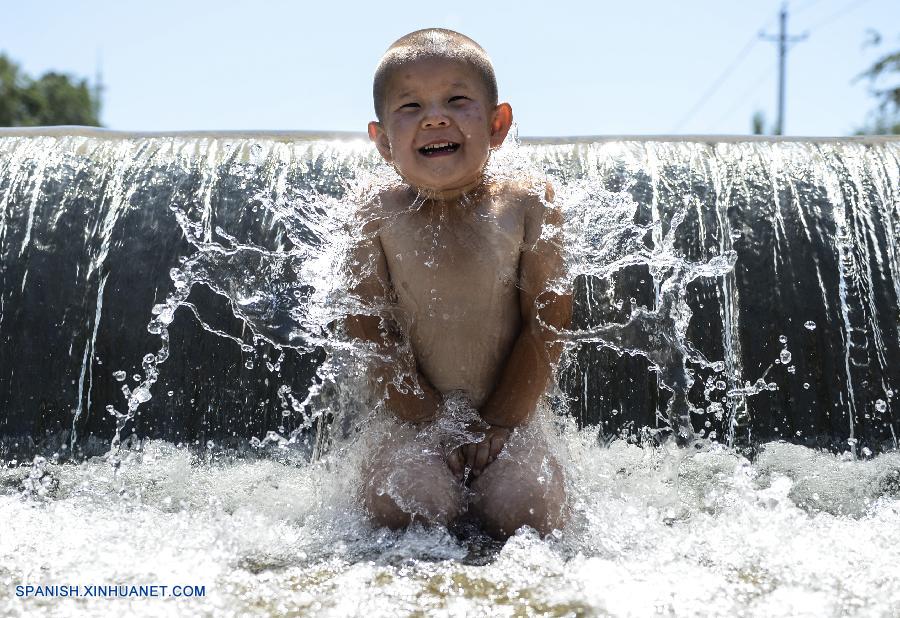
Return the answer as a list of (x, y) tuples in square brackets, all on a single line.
[(461, 262)]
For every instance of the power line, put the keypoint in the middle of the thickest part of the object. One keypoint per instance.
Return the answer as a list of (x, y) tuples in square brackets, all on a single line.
[(715, 86), (839, 13), (806, 6), (744, 94)]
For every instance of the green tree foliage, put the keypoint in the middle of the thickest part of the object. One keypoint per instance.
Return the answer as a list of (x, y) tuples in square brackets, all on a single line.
[(884, 84), (758, 123), (52, 99)]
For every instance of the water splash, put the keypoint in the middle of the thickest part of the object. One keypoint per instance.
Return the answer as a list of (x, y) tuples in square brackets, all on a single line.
[(601, 238)]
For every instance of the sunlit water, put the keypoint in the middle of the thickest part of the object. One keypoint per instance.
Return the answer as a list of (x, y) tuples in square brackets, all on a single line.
[(275, 526), (653, 531)]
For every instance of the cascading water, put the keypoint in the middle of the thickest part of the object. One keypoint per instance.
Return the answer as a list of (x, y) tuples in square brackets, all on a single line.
[(187, 289), (769, 268)]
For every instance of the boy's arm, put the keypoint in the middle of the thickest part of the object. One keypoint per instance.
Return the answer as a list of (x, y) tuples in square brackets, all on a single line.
[(529, 367), (373, 288)]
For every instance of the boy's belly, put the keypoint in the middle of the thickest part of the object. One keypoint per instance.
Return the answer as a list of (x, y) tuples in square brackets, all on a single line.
[(455, 277), (465, 349)]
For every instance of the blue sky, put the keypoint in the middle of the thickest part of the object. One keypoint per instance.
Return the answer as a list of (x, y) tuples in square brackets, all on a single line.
[(567, 68)]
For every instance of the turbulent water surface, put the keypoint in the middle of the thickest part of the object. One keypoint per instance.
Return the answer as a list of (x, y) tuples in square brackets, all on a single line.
[(653, 531)]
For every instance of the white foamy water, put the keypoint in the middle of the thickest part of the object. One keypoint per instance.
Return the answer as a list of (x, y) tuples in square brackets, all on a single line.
[(700, 532)]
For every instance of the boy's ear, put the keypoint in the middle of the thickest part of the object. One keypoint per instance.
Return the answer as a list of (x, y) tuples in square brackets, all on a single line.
[(377, 135), (501, 121)]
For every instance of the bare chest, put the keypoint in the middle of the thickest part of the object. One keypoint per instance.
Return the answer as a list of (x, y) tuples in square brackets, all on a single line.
[(456, 257)]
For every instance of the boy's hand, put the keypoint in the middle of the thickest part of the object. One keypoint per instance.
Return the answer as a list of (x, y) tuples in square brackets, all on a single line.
[(477, 455)]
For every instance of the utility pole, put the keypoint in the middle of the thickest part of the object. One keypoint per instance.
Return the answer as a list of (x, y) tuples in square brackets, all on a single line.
[(782, 39), (99, 86)]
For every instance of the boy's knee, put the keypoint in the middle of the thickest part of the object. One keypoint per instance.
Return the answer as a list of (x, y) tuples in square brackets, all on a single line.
[(520, 495), (426, 494), (384, 512)]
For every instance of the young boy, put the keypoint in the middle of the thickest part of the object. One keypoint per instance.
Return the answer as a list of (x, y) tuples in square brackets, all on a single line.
[(462, 264)]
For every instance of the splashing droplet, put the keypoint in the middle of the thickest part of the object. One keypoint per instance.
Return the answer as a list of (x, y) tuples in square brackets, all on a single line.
[(810, 325), (785, 356), (881, 405), (141, 394), (120, 376), (782, 338), (164, 313)]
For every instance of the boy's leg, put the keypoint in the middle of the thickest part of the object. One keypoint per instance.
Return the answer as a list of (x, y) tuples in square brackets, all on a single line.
[(406, 480), (524, 486)]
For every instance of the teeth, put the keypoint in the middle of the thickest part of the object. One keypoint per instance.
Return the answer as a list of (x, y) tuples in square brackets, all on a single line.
[(437, 146)]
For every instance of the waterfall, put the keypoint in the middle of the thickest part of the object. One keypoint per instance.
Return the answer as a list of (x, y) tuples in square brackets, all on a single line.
[(180, 286)]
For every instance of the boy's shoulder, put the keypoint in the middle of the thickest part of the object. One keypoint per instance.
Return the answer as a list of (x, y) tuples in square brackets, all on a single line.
[(378, 205), (385, 202), (526, 190), (534, 197)]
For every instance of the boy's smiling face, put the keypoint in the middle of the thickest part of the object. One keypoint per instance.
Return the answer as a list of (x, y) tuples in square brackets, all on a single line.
[(438, 125)]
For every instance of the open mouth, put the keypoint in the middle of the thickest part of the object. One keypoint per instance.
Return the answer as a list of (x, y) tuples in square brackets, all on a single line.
[(440, 148)]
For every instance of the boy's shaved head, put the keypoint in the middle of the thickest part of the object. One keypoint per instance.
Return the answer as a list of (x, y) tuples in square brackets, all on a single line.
[(432, 43)]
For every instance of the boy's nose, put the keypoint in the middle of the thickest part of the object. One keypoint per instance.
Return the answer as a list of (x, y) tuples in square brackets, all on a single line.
[(434, 120)]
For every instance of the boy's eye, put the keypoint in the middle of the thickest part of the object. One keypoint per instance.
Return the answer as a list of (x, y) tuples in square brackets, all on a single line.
[(458, 98), (409, 106)]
